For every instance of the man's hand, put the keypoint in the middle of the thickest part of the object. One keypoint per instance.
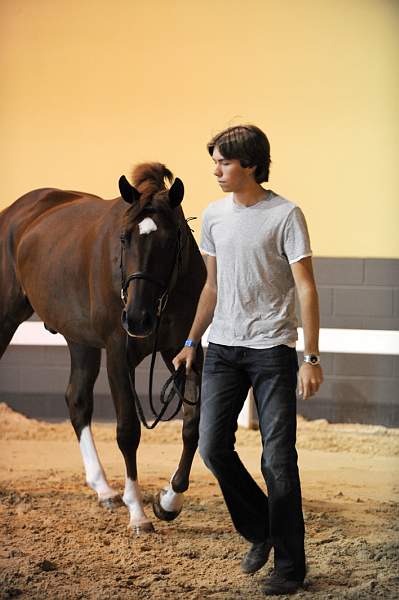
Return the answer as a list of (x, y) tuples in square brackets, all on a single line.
[(186, 356), (310, 378)]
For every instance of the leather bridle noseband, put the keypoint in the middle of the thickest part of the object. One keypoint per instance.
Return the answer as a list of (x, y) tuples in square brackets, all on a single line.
[(178, 379), (163, 298)]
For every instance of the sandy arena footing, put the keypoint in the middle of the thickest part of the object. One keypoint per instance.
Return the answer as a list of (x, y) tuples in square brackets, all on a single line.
[(58, 543)]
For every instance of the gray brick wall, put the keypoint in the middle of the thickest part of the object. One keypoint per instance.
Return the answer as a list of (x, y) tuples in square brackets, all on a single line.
[(358, 388), (358, 293), (33, 380)]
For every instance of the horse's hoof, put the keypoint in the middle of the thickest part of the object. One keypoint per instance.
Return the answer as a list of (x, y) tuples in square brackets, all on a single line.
[(161, 513), (140, 528), (111, 503)]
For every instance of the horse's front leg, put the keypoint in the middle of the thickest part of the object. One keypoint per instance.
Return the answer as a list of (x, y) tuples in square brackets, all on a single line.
[(127, 433), (168, 503)]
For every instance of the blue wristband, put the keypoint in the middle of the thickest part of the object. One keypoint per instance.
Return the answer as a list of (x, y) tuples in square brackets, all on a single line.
[(190, 344)]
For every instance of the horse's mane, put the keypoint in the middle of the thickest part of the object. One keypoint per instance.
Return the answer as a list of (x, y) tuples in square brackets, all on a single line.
[(150, 179)]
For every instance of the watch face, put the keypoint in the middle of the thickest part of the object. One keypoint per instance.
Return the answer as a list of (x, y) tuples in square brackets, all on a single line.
[(312, 359)]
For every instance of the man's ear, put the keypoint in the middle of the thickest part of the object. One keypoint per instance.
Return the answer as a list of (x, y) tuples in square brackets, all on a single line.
[(176, 193), (128, 192), (252, 170)]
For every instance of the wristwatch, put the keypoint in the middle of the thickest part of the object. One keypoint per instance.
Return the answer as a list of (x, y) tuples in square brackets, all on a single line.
[(190, 343), (312, 359)]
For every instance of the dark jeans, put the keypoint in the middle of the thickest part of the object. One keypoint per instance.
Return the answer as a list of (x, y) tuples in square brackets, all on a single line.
[(229, 372)]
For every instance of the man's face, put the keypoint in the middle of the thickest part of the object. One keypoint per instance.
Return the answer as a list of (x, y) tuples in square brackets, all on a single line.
[(231, 176)]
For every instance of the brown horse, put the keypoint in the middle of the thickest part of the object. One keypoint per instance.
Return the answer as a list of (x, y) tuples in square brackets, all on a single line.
[(61, 256)]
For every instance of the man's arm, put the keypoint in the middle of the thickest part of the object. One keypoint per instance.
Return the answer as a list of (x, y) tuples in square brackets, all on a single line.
[(203, 315), (310, 377)]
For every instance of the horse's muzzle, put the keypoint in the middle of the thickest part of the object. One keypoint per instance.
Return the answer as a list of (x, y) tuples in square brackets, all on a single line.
[(138, 328)]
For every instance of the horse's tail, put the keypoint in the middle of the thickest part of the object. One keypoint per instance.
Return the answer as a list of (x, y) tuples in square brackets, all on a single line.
[(149, 178)]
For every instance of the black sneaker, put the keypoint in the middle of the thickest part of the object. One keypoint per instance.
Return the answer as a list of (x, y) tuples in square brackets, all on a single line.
[(256, 557), (277, 585)]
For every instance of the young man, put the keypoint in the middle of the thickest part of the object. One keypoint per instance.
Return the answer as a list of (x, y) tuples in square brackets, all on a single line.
[(257, 250)]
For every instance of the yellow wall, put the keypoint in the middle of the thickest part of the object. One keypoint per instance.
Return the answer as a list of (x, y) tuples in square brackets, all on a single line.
[(90, 87)]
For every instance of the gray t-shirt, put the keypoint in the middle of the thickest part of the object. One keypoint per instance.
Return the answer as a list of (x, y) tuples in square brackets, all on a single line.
[(254, 247)]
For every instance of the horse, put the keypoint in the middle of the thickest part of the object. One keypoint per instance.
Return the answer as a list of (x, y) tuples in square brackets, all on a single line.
[(109, 274)]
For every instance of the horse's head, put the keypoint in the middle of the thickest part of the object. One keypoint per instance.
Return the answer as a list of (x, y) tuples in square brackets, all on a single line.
[(151, 245)]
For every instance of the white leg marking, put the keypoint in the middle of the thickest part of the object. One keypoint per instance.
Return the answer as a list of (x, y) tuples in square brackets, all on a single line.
[(133, 500), (147, 225), (95, 476), (171, 501)]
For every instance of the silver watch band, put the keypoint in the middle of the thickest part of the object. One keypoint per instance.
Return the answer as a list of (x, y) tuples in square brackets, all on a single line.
[(312, 359)]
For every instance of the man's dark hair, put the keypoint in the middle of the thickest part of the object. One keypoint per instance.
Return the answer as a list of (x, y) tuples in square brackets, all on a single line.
[(246, 143)]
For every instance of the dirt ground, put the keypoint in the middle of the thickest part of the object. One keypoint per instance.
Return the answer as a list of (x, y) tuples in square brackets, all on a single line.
[(58, 543)]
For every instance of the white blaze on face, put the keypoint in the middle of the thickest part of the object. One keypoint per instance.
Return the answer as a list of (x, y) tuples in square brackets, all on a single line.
[(133, 500), (95, 476), (147, 225)]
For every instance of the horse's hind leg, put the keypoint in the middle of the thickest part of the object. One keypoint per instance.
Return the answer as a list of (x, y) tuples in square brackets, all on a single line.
[(168, 503), (85, 365)]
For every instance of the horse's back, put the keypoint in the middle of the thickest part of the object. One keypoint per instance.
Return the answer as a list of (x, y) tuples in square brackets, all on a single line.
[(37, 203)]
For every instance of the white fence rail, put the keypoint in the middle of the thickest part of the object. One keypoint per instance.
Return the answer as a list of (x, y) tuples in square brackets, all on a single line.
[(353, 341)]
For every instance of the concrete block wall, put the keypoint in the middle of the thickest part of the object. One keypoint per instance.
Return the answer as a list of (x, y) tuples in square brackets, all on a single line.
[(358, 294), (33, 380)]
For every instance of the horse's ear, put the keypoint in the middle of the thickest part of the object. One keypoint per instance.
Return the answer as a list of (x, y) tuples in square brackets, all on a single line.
[(128, 192), (176, 193)]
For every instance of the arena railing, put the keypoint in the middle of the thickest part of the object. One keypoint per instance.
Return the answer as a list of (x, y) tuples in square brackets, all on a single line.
[(350, 341)]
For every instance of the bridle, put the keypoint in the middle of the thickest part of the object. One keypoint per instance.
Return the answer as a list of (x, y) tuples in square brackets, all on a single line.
[(177, 380), (165, 286), (162, 300)]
